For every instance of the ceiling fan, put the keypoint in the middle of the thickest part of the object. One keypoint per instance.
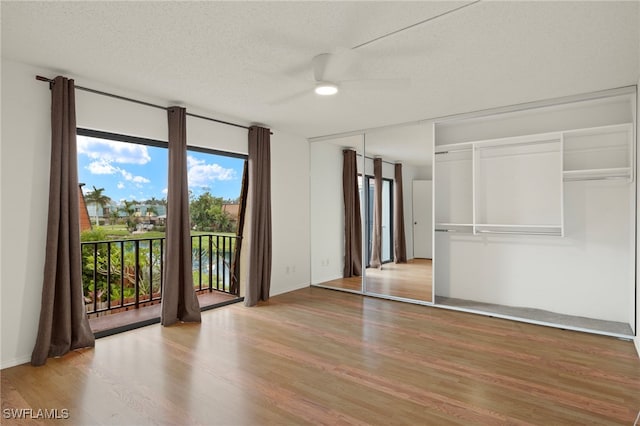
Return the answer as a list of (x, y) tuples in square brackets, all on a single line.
[(329, 71)]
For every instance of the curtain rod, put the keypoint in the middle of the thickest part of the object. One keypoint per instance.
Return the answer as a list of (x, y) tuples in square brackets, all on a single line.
[(136, 101), (373, 158)]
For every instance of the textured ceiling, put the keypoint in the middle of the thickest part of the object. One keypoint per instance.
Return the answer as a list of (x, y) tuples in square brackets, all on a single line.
[(236, 58)]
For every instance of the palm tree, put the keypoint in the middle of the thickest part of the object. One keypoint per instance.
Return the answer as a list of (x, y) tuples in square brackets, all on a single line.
[(129, 208), (152, 211), (97, 198), (114, 216)]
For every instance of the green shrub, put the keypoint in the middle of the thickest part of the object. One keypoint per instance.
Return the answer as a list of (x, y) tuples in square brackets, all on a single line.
[(95, 234)]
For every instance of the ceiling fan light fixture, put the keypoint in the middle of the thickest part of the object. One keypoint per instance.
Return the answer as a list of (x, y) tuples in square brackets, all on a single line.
[(324, 88)]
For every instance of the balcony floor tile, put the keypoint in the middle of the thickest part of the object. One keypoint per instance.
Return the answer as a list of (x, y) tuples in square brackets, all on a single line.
[(112, 323)]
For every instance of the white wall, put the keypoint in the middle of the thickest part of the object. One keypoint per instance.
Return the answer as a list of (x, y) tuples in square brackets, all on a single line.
[(290, 212), (637, 339), (409, 174), (113, 115), (1, 226), (586, 273), (25, 179)]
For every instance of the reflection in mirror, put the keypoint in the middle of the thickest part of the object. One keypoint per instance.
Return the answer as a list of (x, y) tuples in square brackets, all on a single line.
[(398, 212), (336, 206)]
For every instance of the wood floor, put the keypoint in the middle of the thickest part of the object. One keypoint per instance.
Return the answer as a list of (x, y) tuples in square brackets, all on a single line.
[(411, 280), (317, 356)]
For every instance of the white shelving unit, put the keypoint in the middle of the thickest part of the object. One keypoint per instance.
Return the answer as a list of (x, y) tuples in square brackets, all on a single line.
[(508, 184), (501, 186), (597, 153), (454, 192), (514, 185)]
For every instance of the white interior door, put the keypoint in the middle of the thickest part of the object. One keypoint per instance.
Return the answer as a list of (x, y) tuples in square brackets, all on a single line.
[(422, 215)]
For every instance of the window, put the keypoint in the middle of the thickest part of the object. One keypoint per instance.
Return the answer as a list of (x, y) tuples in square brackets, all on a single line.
[(124, 185), (122, 178), (215, 183), (123, 209)]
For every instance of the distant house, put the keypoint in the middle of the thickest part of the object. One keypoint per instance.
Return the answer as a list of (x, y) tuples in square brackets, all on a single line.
[(85, 220), (233, 210), (154, 214)]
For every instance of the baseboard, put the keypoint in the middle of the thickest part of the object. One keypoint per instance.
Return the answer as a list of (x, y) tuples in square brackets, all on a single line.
[(320, 281), (16, 361), (636, 341)]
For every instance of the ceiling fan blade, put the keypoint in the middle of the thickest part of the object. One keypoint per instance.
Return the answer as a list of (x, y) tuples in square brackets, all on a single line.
[(377, 84), (291, 98)]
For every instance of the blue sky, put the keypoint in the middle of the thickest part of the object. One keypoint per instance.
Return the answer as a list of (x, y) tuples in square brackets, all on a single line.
[(130, 171)]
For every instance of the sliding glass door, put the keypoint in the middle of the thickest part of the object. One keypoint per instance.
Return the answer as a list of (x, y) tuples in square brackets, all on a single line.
[(387, 218)]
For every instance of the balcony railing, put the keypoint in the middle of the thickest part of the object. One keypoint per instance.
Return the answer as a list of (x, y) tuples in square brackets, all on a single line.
[(127, 274)]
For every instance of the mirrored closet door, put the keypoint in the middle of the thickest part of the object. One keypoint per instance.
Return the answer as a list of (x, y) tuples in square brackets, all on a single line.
[(398, 212), (337, 205)]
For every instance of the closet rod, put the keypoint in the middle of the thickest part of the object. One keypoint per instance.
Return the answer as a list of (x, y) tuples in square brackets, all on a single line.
[(578, 179), (450, 151), (482, 231), (139, 102)]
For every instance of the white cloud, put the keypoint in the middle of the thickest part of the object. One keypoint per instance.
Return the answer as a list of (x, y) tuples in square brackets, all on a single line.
[(201, 174), (104, 167), (131, 178), (165, 191), (101, 168), (140, 179), (113, 151), (192, 161)]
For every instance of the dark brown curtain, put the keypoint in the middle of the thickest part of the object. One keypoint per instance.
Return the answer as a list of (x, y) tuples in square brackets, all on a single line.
[(399, 239), (63, 322), (259, 279), (179, 300), (376, 234), (352, 218)]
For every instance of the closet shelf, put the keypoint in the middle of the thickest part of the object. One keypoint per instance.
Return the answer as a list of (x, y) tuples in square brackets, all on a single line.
[(597, 174)]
